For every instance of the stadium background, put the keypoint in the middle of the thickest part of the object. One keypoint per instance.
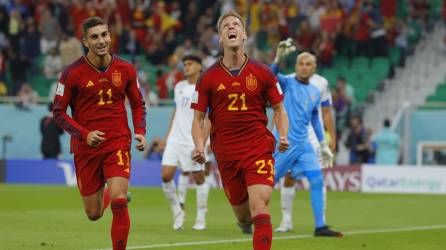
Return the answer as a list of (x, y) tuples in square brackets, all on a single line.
[(391, 54)]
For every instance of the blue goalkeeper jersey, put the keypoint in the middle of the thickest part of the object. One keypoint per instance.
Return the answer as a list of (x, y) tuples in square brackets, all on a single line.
[(301, 102)]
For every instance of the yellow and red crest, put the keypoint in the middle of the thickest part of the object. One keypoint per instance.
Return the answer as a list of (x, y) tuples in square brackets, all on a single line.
[(116, 78), (251, 82)]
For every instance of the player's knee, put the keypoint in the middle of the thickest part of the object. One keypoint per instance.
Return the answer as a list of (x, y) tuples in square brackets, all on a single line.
[(93, 214), (317, 182), (245, 219), (288, 181), (166, 176), (199, 177), (259, 207)]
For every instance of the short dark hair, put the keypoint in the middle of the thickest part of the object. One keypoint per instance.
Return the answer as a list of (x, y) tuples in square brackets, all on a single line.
[(91, 22), (387, 123), (342, 79), (192, 58)]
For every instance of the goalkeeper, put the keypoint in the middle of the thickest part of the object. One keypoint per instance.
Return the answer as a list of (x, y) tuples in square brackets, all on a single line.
[(302, 103)]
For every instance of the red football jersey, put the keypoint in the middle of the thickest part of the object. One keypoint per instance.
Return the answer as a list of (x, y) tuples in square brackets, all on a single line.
[(97, 101), (237, 108)]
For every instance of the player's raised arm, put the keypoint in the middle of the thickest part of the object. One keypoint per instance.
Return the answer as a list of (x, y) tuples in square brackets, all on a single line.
[(138, 108), (281, 120), (61, 101), (199, 135), (284, 48)]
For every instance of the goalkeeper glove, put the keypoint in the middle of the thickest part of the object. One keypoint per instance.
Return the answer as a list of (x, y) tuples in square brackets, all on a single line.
[(327, 155), (284, 48)]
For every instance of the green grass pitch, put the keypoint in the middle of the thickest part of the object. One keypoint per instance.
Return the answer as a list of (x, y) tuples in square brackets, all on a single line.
[(51, 217)]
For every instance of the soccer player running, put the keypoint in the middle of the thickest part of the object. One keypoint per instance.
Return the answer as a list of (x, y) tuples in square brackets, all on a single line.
[(302, 101), (236, 89), (179, 147), (96, 86)]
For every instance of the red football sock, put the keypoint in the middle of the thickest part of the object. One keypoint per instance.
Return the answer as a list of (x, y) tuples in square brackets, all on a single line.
[(263, 232), (105, 199), (120, 224)]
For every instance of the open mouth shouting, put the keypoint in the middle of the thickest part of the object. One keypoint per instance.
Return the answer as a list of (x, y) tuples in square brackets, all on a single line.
[(232, 36)]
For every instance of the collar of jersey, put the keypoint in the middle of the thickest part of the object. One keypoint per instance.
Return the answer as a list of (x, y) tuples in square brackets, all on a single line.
[(241, 69), (96, 68)]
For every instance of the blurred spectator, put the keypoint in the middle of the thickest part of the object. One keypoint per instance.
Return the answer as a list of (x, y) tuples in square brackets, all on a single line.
[(14, 29), (50, 144), (167, 82), (151, 96), (402, 41), (49, 29), (347, 90), (4, 26), (3, 89), (331, 19), (377, 32), (325, 49), (70, 49), (30, 46), (362, 35), (27, 97), (3, 65), (342, 111), (358, 141), (52, 64), (18, 66), (387, 145), (187, 48), (314, 12), (305, 36)]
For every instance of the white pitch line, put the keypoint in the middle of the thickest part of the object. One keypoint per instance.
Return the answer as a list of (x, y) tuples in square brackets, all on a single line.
[(303, 236)]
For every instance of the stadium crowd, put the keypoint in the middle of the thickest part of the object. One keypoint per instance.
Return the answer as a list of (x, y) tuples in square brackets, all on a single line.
[(160, 33)]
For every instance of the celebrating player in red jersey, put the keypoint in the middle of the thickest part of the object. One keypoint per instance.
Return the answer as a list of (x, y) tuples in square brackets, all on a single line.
[(236, 90), (95, 87)]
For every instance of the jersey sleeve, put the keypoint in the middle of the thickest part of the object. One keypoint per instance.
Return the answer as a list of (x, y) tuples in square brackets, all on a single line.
[(316, 123), (137, 103), (201, 96), (274, 91), (62, 99), (282, 79), (325, 94)]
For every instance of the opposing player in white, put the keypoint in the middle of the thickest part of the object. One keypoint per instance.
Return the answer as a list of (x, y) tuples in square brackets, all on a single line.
[(288, 191), (179, 147)]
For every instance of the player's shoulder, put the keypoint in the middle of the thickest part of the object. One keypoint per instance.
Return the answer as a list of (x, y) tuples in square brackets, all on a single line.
[(122, 62), (318, 80), (73, 67), (259, 65), (180, 84)]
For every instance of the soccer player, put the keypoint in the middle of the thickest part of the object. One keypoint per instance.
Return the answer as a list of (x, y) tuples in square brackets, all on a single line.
[(236, 89), (288, 191), (179, 148), (302, 101), (96, 86)]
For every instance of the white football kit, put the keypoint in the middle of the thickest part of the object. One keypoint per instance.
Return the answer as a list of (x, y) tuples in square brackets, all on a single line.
[(179, 145)]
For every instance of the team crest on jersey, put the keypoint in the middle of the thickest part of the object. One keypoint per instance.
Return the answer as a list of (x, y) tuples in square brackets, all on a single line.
[(251, 82), (116, 78)]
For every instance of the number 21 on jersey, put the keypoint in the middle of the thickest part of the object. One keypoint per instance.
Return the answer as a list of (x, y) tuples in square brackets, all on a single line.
[(238, 102)]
